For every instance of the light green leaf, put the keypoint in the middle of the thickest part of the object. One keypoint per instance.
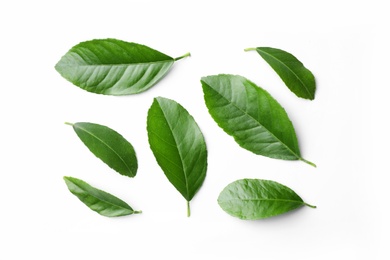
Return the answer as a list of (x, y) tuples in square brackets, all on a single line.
[(114, 67), (256, 199), (100, 201), (108, 145), (297, 78), (247, 112), (178, 145)]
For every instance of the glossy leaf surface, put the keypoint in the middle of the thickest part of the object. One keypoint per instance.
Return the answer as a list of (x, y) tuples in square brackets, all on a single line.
[(247, 112), (100, 201), (297, 78), (178, 146), (114, 67), (108, 145), (256, 199)]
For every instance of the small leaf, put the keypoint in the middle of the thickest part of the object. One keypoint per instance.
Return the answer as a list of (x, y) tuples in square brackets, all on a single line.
[(296, 77), (178, 145), (256, 199), (100, 201), (114, 67), (247, 112), (108, 145)]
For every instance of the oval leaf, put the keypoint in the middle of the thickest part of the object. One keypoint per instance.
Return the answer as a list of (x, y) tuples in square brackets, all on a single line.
[(247, 112), (178, 145), (108, 145), (114, 67), (296, 77), (100, 201), (256, 199)]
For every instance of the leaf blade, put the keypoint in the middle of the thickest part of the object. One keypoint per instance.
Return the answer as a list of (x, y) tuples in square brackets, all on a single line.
[(294, 74), (251, 116), (252, 199), (109, 146), (114, 67), (178, 146), (97, 200)]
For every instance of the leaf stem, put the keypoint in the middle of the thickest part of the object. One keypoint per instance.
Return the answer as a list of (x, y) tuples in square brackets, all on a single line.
[(311, 206), (137, 211), (250, 49), (188, 209), (183, 56), (67, 123), (308, 162)]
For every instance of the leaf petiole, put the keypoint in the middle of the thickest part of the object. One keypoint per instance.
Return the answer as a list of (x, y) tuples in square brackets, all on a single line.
[(311, 206), (308, 162), (188, 209), (67, 123), (183, 56), (250, 49), (137, 211)]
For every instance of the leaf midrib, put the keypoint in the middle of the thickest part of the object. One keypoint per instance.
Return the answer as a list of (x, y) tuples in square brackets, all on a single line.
[(109, 147), (178, 150), (305, 87), (89, 194), (288, 148), (122, 64), (259, 199)]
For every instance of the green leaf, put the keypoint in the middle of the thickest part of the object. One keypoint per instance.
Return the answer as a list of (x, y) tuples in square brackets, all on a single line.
[(100, 201), (114, 67), (256, 199), (178, 145), (247, 112), (296, 77), (108, 145)]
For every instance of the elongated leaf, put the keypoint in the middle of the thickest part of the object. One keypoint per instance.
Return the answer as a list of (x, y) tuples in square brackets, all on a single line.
[(114, 67), (247, 112), (257, 199), (108, 145), (296, 77), (178, 145), (100, 201)]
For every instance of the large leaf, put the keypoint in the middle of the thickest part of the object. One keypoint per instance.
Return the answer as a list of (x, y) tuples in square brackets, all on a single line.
[(257, 199), (178, 145), (296, 77), (247, 112), (100, 201), (114, 67), (108, 145)]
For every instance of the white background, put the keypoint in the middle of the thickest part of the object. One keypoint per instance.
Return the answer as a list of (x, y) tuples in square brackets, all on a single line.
[(344, 43)]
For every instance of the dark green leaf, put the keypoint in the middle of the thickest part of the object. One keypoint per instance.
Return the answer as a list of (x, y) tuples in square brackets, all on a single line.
[(109, 146), (114, 67), (178, 145), (100, 201), (296, 77), (257, 199), (248, 113)]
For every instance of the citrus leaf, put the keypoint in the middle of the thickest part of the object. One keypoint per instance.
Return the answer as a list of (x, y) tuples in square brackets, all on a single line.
[(257, 199), (247, 112), (109, 146), (178, 146), (114, 67), (100, 201), (296, 77)]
